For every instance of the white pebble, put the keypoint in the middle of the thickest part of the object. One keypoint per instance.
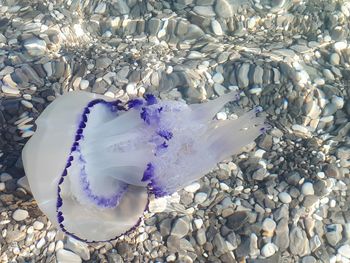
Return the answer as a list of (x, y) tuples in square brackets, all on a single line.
[(332, 203), (344, 251), (27, 134), (307, 189), (27, 104), (20, 214), (84, 84), (221, 115), (41, 243), (9, 90), (67, 256), (27, 96), (38, 225), (198, 223), (131, 89), (2, 186), (338, 46), (192, 188), (285, 197), (269, 225), (268, 250), (224, 187)]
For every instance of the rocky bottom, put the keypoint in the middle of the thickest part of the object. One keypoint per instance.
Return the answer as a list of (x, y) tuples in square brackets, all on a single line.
[(285, 199)]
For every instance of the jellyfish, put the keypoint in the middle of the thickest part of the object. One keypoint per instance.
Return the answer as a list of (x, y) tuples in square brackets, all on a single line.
[(93, 162)]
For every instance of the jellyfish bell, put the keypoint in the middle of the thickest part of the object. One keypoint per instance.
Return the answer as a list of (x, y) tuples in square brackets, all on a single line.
[(45, 159), (93, 162)]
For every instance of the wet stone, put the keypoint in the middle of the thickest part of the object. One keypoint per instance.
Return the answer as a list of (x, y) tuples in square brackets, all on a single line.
[(237, 220)]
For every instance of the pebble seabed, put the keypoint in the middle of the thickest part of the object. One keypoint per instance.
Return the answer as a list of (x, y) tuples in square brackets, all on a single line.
[(285, 199)]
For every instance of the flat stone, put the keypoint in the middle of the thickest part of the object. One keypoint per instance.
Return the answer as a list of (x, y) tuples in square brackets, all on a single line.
[(310, 200), (64, 256), (334, 59), (216, 27), (298, 242), (173, 244), (103, 63), (84, 84), (201, 237), (78, 247), (285, 197), (200, 197), (207, 11), (307, 189), (15, 236), (157, 205), (192, 188), (20, 214), (218, 78), (35, 46), (269, 226), (101, 8), (237, 220), (259, 174), (308, 259), (153, 26), (268, 250), (243, 80), (9, 90), (38, 225), (223, 9), (345, 251), (181, 227), (334, 233), (219, 245), (281, 238), (258, 75)]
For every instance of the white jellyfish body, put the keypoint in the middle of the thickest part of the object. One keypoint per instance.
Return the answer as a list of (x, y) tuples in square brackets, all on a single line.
[(93, 163)]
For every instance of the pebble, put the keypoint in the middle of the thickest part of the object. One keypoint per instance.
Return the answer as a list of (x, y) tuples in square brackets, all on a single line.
[(9, 90), (27, 104), (243, 80), (2, 186), (181, 227), (268, 226), (344, 250), (200, 197), (307, 189), (223, 9), (334, 233), (334, 59), (204, 10), (221, 116), (65, 256), (20, 214), (157, 205), (38, 225), (35, 46), (78, 247), (268, 250), (216, 27), (218, 78), (192, 188), (84, 84), (285, 197), (198, 223)]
